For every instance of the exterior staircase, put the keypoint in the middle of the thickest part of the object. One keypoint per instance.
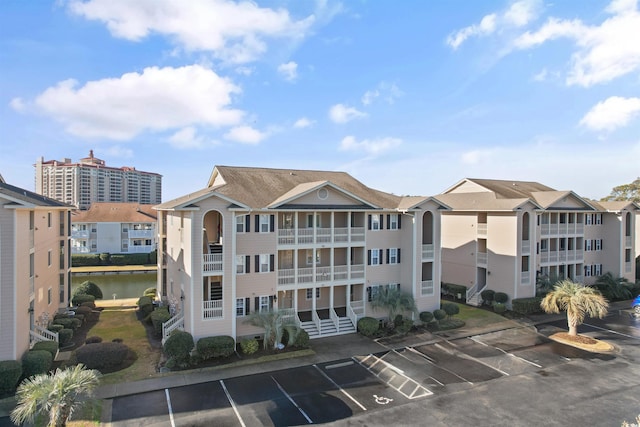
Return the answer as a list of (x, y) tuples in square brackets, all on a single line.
[(334, 325), (473, 296)]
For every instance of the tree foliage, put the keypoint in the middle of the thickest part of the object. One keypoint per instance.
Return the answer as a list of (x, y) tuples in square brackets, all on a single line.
[(274, 323), (613, 288), (625, 192), (394, 301), (577, 300)]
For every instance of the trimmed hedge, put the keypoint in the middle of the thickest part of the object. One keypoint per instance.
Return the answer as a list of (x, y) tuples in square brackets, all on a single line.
[(83, 310), (88, 288), (50, 346), (158, 317), (64, 336), (426, 316), (129, 259), (211, 347), (146, 305), (454, 290), (10, 373), (249, 346), (66, 322), (150, 292), (302, 339), (501, 297), (526, 305), (368, 326), (499, 307), (85, 260), (178, 348), (82, 298), (487, 296), (90, 304), (450, 308), (439, 314), (103, 355), (35, 362), (54, 327), (90, 260), (93, 340)]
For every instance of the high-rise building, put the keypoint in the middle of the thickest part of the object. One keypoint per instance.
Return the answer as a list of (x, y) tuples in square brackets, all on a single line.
[(91, 180)]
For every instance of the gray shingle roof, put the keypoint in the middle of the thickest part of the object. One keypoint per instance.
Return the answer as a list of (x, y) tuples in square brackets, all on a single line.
[(29, 197)]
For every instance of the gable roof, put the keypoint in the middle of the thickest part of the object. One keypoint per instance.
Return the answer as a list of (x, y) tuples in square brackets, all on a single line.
[(485, 201), (116, 212), (263, 188), (25, 198), (614, 205), (504, 189)]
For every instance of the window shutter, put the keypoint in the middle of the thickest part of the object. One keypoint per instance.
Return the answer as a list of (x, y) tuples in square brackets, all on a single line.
[(257, 223), (369, 293), (369, 257), (247, 264), (257, 267), (398, 256), (381, 222), (399, 221), (247, 223), (388, 250), (272, 262), (388, 221), (271, 301), (247, 304), (272, 223), (257, 306), (369, 221)]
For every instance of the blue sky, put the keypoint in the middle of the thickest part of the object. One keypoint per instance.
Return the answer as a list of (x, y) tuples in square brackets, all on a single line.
[(407, 96)]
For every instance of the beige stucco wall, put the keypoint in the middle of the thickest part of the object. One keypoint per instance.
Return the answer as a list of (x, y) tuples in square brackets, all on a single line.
[(459, 233)]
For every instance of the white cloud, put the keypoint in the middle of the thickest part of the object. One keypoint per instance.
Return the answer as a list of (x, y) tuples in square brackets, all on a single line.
[(340, 113), (369, 96), (158, 99), (603, 52), (389, 92), (245, 135), (517, 15), (612, 113), (289, 71), (118, 151), (375, 146), (541, 76), (235, 32), (303, 122), (187, 138), (244, 71), (17, 104)]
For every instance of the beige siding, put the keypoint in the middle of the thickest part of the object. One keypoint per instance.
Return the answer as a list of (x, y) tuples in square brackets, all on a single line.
[(459, 248), (333, 197), (8, 288), (502, 252)]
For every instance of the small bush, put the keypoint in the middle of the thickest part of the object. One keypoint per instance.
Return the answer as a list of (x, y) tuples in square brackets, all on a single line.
[(453, 290), (10, 373), (84, 311), (405, 326), (82, 298), (35, 362), (487, 296), (249, 346), (158, 317), (88, 288), (501, 297), (302, 339), (64, 336), (450, 308), (368, 326), (102, 356), (426, 316), (150, 292), (66, 322), (439, 314), (499, 307), (211, 347), (527, 305), (54, 327), (85, 260), (50, 346), (397, 321), (146, 305), (90, 304), (105, 258), (93, 340), (178, 348), (75, 323)]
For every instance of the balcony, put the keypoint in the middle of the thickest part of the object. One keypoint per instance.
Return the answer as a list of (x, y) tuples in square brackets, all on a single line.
[(211, 264), (140, 234), (482, 229), (310, 236), (525, 247), (80, 234), (80, 250), (561, 229), (140, 249), (481, 258), (212, 309), (561, 256), (307, 275), (428, 252)]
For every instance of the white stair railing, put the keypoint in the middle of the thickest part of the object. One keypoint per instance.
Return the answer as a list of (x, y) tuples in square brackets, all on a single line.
[(170, 326), (334, 319), (39, 333)]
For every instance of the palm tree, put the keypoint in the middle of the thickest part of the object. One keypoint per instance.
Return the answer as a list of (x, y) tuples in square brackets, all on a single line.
[(274, 323), (577, 300), (617, 288), (57, 394), (394, 301)]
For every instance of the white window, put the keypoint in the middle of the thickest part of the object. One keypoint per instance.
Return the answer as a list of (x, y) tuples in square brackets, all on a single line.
[(393, 221), (240, 221), (597, 270), (375, 257), (393, 256), (310, 220), (310, 257), (598, 244), (310, 293), (426, 288), (375, 222), (587, 245), (240, 307), (240, 264), (264, 303), (374, 289), (588, 219), (597, 218), (264, 223), (264, 263), (287, 221)]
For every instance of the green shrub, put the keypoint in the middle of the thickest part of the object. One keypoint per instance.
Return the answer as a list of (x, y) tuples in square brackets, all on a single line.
[(453, 290), (88, 288), (450, 308), (83, 310), (10, 373), (146, 305), (439, 314), (527, 305), (105, 258), (82, 298), (93, 340), (50, 346), (211, 347), (85, 260), (158, 317), (368, 326), (426, 316), (129, 259), (153, 257), (501, 297), (54, 327), (487, 296), (103, 356), (249, 346), (302, 339), (90, 304), (66, 322), (150, 292), (499, 307), (75, 323), (178, 348), (405, 326), (35, 362), (64, 336)]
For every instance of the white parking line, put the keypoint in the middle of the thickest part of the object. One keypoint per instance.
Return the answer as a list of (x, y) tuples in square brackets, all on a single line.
[(173, 423), (233, 404), (613, 332), (428, 359), (304, 414), (476, 340), (340, 388)]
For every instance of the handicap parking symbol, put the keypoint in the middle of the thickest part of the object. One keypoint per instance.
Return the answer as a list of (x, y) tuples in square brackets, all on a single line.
[(381, 400)]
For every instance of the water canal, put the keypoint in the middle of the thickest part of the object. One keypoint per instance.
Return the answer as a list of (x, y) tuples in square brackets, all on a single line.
[(117, 286)]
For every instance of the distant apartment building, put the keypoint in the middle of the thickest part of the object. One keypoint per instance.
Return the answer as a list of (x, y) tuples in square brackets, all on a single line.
[(317, 245), (503, 235), (90, 180), (34, 267), (115, 228)]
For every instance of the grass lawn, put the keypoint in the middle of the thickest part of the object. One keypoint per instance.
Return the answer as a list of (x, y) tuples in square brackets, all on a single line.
[(476, 317)]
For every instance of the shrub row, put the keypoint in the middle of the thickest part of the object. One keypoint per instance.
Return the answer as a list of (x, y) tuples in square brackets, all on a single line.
[(82, 298), (50, 346), (453, 290), (178, 349), (89, 260), (102, 355), (10, 373), (527, 305), (35, 362), (219, 346), (158, 317), (146, 305)]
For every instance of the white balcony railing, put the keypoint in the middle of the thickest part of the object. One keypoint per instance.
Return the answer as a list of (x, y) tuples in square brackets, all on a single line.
[(426, 288), (481, 258), (212, 263), (140, 249), (323, 274), (428, 251), (212, 309), (79, 234), (561, 229), (39, 333), (80, 250), (140, 234), (482, 229), (307, 236), (289, 276), (525, 247), (341, 272)]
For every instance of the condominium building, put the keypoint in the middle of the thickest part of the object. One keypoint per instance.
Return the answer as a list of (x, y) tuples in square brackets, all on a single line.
[(503, 235), (115, 228), (34, 267), (316, 244), (90, 180)]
